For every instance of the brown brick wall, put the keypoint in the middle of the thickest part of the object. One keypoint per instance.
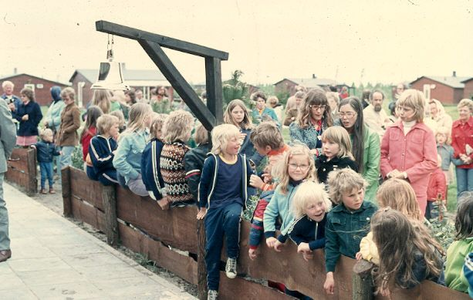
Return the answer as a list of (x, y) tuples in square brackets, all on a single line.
[(468, 90), (441, 92)]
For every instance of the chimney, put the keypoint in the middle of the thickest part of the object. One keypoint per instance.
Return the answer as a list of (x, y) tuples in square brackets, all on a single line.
[(313, 76), (454, 74), (15, 71)]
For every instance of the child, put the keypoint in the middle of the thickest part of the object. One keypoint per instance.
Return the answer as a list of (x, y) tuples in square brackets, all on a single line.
[(132, 142), (121, 120), (458, 250), (348, 222), (336, 146), (468, 271), (177, 132), (45, 152), (408, 254), (408, 149), (150, 168), (437, 189), (446, 151), (223, 194), (102, 150), (298, 165), (90, 130)]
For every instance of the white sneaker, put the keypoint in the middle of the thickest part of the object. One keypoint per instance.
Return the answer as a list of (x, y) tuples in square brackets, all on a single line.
[(212, 295), (230, 268)]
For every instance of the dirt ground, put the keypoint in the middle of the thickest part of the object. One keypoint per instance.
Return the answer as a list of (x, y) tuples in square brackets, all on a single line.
[(55, 203)]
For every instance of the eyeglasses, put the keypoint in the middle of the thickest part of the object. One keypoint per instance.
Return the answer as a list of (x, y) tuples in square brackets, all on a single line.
[(301, 167), (317, 107), (349, 114)]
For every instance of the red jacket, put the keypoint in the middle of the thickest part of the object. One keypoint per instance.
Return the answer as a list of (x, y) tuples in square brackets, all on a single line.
[(462, 135), (85, 141), (437, 185), (415, 154)]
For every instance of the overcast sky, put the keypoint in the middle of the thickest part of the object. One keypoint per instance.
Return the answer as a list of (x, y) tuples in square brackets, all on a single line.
[(350, 41)]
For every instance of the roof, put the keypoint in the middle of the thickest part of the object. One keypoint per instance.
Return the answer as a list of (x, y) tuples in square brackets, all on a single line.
[(452, 81), (312, 82), (29, 75), (129, 75)]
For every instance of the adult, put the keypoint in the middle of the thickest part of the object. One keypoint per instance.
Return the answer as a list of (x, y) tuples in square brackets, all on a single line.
[(462, 143), (7, 143), (13, 101), (374, 115), (160, 102), (130, 97), (400, 88), (68, 138), (314, 117), (261, 112), (365, 98), (365, 144), (293, 106), (333, 101), (102, 99), (28, 115), (438, 115), (53, 116), (139, 97)]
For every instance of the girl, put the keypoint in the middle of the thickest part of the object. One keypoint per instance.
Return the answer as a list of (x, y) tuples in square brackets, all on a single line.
[(177, 131), (150, 168), (298, 165), (407, 255), (90, 130), (347, 222), (28, 115), (68, 138), (408, 149), (223, 194), (132, 142), (365, 143), (121, 120), (102, 150), (101, 98), (463, 245), (314, 117), (336, 147)]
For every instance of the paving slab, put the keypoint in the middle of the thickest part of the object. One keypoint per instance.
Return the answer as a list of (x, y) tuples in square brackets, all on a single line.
[(55, 259)]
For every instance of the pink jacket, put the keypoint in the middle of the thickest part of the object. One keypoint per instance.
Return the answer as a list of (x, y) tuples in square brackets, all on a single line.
[(415, 154)]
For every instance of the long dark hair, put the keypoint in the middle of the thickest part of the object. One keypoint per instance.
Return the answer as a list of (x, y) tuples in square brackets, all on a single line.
[(93, 113), (314, 97), (358, 129), (464, 218)]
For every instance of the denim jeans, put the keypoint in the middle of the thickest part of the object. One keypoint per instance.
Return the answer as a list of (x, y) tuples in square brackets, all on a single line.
[(464, 180), (46, 169), (66, 157)]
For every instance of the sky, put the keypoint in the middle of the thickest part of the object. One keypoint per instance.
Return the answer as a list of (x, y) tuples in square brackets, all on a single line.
[(349, 41)]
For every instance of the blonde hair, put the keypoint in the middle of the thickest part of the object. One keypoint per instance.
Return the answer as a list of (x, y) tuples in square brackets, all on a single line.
[(414, 99), (201, 135), (283, 171), (343, 181), (221, 134), (339, 136), (399, 195), (137, 115), (446, 132), (273, 101), (156, 125), (309, 192), (101, 98), (105, 122), (228, 118), (69, 92), (178, 126), (466, 102), (120, 116), (45, 132), (267, 134)]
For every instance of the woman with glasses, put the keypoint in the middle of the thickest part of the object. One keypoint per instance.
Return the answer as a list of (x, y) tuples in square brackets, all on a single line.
[(365, 143), (314, 117)]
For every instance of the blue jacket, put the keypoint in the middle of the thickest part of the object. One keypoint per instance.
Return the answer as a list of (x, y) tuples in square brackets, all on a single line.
[(150, 168), (208, 180), (29, 127), (127, 160), (194, 163), (247, 148), (257, 118), (45, 151), (53, 116), (446, 154), (100, 151), (305, 230)]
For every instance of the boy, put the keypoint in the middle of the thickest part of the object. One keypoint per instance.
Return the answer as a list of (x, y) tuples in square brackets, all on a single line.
[(45, 152)]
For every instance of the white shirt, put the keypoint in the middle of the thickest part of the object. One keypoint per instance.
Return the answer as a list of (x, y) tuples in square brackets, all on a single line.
[(377, 121)]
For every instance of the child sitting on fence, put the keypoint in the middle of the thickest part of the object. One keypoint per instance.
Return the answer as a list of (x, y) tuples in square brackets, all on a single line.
[(336, 147), (348, 222), (222, 195), (132, 142), (399, 195), (102, 150), (90, 130), (46, 150), (150, 169), (177, 132), (298, 165), (458, 250), (408, 254)]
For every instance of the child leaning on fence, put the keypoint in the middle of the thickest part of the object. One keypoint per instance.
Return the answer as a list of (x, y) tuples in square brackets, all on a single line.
[(348, 222), (46, 150), (223, 193)]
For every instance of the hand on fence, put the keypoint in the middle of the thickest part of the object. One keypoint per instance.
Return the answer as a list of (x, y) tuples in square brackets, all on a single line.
[(270, 242), (201, 214), (359, 256), (252, 254), (303, 247), (277, 245), (329, 285), (307, 255)]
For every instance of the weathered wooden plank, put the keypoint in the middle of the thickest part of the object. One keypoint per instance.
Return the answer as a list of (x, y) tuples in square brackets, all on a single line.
[(109, 201), (168, 42), (213, 75), (22, 169), (86, 189), (181, 265), (187, 93), (66, 192), (240, 288), (430, 290), (88, 214), (176, 227)]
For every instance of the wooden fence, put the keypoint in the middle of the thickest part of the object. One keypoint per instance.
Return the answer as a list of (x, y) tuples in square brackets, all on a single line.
[(170, 239), (22, 169)]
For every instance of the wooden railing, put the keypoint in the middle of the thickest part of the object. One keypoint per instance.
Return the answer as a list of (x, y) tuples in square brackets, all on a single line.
[(170, 238), (22, 169)]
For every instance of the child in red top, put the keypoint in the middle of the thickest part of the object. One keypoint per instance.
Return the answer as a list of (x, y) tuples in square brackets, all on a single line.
[(90, 130), (437, 189)]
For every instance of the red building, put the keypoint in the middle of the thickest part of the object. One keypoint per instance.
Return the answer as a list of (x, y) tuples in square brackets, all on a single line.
[(289, 85), (468, 90), (40, 86), (446, 89)]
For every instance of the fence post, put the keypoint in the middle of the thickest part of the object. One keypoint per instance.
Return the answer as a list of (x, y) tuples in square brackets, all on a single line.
[(362, 281), (66, 191), (201, 268), (32, 186), (109, 202)]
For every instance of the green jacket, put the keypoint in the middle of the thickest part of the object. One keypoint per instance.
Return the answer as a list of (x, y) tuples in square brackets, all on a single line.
[(344, 230), (456, 253), (371, 161)]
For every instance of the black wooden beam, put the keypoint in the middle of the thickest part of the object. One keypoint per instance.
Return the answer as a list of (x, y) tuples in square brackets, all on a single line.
[(162, 61), (164, 41), (213, 75)]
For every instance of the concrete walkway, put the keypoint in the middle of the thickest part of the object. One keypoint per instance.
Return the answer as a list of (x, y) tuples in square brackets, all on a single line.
[(54, 259)]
